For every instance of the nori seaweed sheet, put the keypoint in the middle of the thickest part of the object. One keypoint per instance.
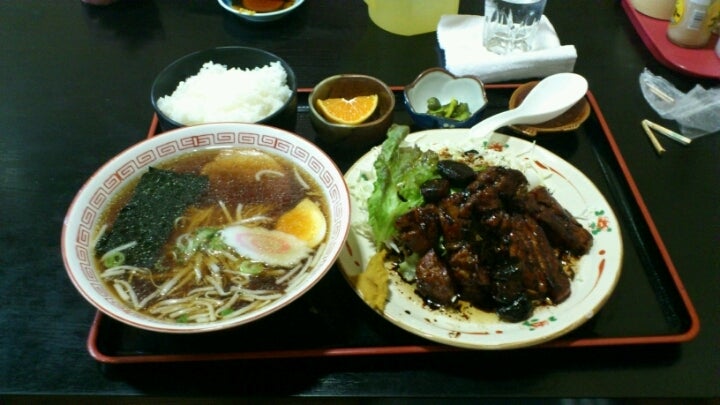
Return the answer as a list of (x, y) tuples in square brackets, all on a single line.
[(160, 197)]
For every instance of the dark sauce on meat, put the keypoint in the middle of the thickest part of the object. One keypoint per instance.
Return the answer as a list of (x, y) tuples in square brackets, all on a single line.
[(494, 243)]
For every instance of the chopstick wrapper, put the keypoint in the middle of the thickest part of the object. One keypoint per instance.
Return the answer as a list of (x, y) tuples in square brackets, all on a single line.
[(461, 39)]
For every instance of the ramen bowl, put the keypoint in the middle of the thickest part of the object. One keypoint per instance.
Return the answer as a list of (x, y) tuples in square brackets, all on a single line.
[(255, 93), (442, 85), (278, 281), (260, 16)]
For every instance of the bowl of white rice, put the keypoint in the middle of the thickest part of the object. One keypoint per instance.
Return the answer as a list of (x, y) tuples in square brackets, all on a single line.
[(226, 84)]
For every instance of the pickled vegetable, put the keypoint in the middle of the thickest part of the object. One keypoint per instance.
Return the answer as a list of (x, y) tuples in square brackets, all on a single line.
[(453, 110)]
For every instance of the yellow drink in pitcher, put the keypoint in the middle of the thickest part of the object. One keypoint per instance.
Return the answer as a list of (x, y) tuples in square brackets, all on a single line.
[(409, 17)]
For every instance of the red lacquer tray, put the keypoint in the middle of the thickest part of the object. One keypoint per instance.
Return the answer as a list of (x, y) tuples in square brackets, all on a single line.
[(649, 305), (701, 62)]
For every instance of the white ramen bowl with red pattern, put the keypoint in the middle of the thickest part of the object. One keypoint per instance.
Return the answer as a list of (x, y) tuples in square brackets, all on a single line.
[(84, 214)]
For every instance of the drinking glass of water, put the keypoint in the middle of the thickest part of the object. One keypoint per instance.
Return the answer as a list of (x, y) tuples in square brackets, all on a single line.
[(511, 25)]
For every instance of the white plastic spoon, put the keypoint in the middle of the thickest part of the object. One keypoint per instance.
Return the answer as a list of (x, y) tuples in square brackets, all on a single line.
[(551, 97)]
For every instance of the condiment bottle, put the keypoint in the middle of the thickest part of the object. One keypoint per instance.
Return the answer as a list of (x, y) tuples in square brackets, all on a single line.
[(410, 17), (690, 24), (660, 9)]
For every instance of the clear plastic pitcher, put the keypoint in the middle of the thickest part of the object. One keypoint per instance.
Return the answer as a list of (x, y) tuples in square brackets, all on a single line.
[(409, 17)]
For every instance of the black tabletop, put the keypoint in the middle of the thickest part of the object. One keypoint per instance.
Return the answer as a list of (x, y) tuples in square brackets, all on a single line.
[(74, 91)]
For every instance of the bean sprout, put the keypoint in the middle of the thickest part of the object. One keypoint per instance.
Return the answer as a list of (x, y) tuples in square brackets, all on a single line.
[(300, 179), (117, 249), (225, 211), (267, 172), (126, 288)]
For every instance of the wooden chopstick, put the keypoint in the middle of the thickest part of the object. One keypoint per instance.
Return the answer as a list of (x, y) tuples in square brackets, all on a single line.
[(661, 94), (651, 135), (668, 132)]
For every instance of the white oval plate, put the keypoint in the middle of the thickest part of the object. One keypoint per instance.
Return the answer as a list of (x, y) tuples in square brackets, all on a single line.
[(597, 272)]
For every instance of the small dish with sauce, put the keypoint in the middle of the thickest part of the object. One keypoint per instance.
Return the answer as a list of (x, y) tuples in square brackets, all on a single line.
[(570, 120), (260, 10)]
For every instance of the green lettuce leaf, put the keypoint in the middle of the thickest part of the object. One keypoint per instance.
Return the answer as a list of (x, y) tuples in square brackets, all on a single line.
[(400, 171)]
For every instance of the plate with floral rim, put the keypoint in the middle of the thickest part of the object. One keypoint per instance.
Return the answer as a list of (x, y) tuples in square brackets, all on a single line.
[(596, 273)]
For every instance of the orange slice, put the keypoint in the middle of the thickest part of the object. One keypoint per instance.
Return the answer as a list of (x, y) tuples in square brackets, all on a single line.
[(351, 112)]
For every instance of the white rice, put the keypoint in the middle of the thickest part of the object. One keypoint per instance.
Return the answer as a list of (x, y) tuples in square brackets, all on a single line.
[(219, 94)]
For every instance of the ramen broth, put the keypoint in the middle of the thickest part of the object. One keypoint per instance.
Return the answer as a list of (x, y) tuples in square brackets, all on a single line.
[(232, 251)]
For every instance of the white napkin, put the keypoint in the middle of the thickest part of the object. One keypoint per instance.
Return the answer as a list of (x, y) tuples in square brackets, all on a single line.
[(461, 39)]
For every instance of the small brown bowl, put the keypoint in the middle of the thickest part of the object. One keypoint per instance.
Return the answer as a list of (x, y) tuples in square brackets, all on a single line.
[(366, 134), (570, 120)]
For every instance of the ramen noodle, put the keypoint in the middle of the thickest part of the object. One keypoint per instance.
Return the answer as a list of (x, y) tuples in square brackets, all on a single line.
[(253, 231)]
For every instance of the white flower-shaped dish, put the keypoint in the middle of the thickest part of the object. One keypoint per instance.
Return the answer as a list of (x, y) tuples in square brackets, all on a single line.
[(439, 83), (597, 272)]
